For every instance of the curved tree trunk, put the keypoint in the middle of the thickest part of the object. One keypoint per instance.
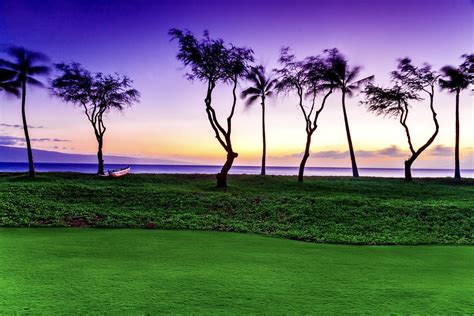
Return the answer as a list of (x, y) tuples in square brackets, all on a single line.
[(222, 176), (225, 140), (457, 167), (355, 171), (415, 154), (31, 166), (100, 159), (305, 157), (264, 139)]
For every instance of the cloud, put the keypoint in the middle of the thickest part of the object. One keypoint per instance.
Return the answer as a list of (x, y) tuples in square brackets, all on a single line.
[(41, 140), (12, 140), (441, 151), (334, 154), (19, 126), (391, 151)]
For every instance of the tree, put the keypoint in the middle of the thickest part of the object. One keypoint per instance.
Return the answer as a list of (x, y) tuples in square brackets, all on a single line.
[(394, 102), (97, 94), (345, 80), (455, 80), (7, 83), (26, 66), (308, 78), (262, 88), (417, 80), (409, 81), (212, 62)]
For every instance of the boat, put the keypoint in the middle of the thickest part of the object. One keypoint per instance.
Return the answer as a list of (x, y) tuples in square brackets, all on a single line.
[(119, 172)]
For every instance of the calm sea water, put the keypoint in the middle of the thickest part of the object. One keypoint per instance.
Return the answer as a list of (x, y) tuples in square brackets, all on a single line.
[(190, 169)]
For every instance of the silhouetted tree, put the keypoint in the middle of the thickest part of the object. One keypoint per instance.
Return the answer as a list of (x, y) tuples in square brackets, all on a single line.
[(27, 66), (212, 62), (394, 102), (7, 83), (308, 78), (409, 82), (262, 88), (455, 80), (345, 80), (97, 94), (417, 80)]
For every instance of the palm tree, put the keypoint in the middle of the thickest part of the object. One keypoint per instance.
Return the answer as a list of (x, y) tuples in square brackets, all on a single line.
[(6, 83), (344, 79), (26, 65), (455, 80), (262, 88)]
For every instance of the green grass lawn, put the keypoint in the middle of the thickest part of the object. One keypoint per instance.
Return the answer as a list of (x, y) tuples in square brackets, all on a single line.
[(87, 271), (322, 209)]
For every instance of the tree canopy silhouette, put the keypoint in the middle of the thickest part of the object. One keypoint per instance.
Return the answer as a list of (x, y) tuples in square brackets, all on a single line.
[(262, 87), (345, 80), (7, 83), (212, 62), (308, 78), (409, 82), (454, 80), (97, 94), (27, 66)]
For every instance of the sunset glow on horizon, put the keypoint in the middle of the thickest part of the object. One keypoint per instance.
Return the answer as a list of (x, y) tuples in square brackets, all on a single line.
[(170, 120)]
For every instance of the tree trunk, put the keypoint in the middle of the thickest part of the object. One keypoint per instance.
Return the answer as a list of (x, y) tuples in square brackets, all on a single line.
[(222, 176), (31, 166), (457, 168), (305, 158), (408, 164), (100, 159), (264, 138), (355, 171)]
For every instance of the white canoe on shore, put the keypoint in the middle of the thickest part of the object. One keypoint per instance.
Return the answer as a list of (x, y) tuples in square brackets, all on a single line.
[(119, 172)]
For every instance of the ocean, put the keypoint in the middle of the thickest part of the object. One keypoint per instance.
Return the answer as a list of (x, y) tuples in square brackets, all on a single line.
[(203, 169)]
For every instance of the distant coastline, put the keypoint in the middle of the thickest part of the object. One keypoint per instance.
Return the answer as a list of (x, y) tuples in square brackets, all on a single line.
[(18, 155)]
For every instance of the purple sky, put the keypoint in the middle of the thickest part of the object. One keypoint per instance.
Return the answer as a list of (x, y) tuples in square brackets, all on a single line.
[(130, 37)]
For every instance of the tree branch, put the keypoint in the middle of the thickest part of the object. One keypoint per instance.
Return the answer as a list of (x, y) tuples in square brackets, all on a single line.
[(234, 102), (323, 103), (435, 120), (211, 115), (403, 119)]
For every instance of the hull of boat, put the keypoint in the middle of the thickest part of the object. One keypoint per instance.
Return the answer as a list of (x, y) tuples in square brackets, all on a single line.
[(119, 173)]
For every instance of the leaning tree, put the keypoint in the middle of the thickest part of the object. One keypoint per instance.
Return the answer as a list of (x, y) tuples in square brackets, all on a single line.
[(212, 62), (345, 79), (262, 87), (456, 79), (308, 78), (97, 94), (409, 82), (27, 66)]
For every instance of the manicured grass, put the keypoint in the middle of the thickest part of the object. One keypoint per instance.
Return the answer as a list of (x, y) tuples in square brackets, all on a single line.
[(97, 271), (323, 209)]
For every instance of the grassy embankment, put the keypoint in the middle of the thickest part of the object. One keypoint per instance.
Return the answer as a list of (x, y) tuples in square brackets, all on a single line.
[(323, 209)]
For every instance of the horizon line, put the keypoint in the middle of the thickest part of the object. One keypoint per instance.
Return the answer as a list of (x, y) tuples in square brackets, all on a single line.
[(234, 166)]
